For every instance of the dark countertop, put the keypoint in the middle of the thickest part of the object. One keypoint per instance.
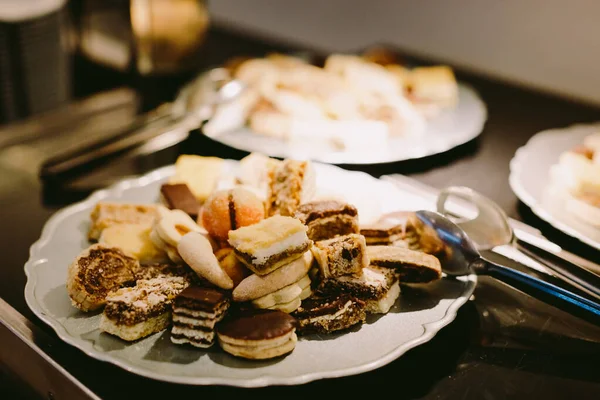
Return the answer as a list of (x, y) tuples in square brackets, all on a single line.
[(503, 343)]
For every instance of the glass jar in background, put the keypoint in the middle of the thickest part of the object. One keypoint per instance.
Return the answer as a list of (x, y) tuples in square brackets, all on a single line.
[(147, 37)]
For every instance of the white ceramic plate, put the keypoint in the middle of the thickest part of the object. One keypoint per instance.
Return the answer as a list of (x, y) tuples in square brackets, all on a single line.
[(444, 132), (412, 320), (529, 179)]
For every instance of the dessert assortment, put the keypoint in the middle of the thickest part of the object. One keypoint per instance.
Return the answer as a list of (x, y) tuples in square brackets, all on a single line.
[(575, 178), (247, 261), (350, 100)]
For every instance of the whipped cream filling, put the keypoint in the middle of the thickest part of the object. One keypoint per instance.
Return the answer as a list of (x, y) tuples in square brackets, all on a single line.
[(199, 313), (193, 333), (206, 323), (291, 242)]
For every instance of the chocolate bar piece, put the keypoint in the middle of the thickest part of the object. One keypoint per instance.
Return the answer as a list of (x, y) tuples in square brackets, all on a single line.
[(179, 196), (196, 311)]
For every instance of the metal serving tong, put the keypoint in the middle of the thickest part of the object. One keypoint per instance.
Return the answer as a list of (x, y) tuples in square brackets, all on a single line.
[(489, 228), (158, 129)]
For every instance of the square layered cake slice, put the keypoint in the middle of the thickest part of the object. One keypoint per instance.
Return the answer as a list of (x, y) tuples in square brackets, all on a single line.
[(269, 244), (196, 311)]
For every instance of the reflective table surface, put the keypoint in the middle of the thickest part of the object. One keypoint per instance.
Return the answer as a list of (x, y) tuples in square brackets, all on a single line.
[(504, 344)]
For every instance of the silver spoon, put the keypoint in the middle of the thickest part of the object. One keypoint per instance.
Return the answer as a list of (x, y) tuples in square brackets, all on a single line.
[(490, 229), (463, 258)]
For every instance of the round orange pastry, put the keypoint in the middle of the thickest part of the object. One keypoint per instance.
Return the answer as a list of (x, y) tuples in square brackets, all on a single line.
[(227, 210)]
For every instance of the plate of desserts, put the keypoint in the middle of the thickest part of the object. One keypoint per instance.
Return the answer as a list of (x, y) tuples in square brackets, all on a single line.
[(557, 174), (245, 273), (349, 109)]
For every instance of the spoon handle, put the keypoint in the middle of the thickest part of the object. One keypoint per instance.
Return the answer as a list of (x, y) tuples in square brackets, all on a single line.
[(542, 290)]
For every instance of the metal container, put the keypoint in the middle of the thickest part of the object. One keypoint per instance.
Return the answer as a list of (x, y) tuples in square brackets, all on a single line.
[(35, 66)]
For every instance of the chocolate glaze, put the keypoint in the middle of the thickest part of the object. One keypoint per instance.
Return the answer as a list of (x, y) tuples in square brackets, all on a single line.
[(316, 306), (324, 305), (232, 214), (411, 273), (322, 230), (179, 196), (311, 211), (257, 325), (206, 299)]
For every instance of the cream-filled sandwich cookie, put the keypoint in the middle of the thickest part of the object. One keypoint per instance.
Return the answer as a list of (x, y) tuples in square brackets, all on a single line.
[(258, 334), (196, 251), (283, 295), (270, 243)]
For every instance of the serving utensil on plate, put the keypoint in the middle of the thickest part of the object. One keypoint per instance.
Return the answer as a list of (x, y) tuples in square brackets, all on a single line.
[(463, 258), (158, 129), (490, 229)]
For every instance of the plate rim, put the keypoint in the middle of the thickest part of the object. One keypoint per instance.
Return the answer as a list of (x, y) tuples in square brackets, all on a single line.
[(429, 329), (515, 170), (472, 135)]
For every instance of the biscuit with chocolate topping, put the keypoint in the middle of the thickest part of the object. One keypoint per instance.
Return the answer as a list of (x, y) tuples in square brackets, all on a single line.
[(258, 334)]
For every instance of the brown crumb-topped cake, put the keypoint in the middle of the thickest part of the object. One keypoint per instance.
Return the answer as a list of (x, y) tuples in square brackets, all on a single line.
[(292, 183), (378, 287), (270, 243), (329, 313), (327, 219), (132, 313), (340, 256)]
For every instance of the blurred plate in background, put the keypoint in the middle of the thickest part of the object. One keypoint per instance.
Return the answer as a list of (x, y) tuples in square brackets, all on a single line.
[(530, 179), (449, 129)]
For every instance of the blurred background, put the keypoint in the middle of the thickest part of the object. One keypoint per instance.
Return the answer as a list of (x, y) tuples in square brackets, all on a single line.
[(54, 51)]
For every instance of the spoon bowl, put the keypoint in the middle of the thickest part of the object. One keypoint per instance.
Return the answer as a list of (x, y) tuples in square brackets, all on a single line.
[(491, 228), (463, 258)]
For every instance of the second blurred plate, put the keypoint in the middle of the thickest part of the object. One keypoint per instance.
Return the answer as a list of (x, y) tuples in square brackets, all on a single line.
[(449, 129)]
